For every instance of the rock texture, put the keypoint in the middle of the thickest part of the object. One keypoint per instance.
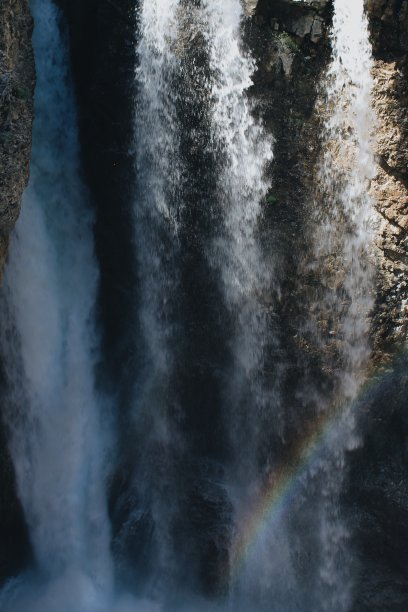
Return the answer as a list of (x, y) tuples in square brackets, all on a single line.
[(16, 112), (389, 26), (17, 77), (377, 492)]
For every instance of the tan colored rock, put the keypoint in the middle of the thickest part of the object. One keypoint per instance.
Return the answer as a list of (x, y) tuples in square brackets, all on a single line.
[(390, 191), (250, 6)]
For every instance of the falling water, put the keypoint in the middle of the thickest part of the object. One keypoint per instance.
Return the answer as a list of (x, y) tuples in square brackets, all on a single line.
[(244, 151), (343, 251), (346, 171), (49, 341), (157, 213), (249, 285), (156, 208)]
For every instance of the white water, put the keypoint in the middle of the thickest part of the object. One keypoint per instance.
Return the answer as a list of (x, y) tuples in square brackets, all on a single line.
[(246, 278), (343, 251), (249, 285), (245, 151), (348, 166), (57, 440), (157, 158), (240, 143), (156, 214)]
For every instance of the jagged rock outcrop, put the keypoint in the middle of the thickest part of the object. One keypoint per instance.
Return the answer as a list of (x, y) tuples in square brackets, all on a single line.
[(17, 76), (298, 19)]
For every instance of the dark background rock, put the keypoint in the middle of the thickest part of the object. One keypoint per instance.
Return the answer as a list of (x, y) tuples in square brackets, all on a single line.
[(102, 37), (377, 493)]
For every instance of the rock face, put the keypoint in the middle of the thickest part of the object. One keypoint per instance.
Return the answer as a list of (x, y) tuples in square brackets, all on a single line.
[(301, 19), (16, 111), (389, 27), (17, 78), (377, 495)]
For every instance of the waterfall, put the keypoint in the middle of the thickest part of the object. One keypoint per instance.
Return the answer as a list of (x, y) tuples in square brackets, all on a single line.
[(202, 258), (249, 286), (50, 352)]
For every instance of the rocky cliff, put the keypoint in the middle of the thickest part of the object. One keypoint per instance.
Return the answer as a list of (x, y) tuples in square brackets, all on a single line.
[(16, 114), (389, 27), (292, 49), (377, 491)]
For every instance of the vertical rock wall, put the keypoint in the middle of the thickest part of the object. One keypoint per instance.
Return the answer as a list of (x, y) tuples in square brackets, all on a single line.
[(17, 78), (389, 27), (377, 495)]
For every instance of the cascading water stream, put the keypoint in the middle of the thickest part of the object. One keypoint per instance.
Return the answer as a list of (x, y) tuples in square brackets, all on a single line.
[(343, 230), (56, 438), (346, 171), (249, 285), (157, 214), (244, 150)]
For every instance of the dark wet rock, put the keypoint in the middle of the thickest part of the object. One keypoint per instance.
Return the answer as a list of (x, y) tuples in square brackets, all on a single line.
[(377, 493)]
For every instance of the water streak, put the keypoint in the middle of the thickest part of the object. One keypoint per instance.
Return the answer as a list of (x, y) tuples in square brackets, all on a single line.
[(157, 215), (244, 151), (343, 250)]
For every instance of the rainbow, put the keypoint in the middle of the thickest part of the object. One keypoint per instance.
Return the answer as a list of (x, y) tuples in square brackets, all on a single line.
[(283, 485)]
